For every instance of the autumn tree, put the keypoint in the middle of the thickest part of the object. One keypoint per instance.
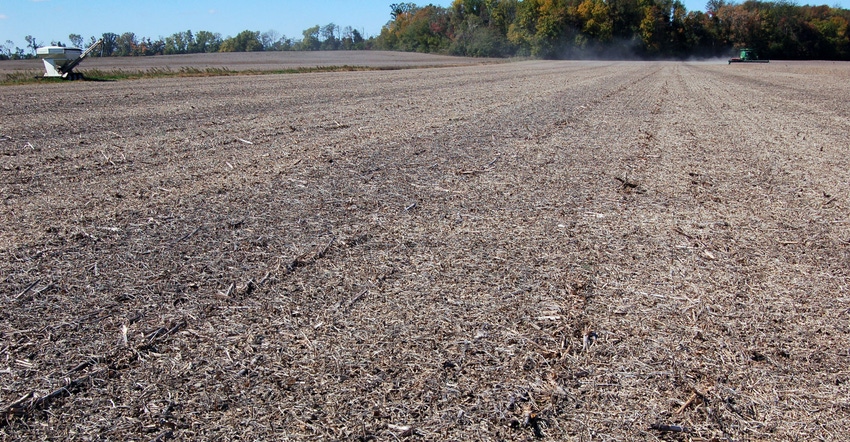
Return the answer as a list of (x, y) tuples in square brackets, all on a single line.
[(551, 34), (417, 29), (399, 9), (595, 20), (543, 28), (126, 44), (540, 27)]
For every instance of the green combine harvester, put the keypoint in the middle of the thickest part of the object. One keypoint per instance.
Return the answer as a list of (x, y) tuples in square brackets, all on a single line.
[(747, 55)]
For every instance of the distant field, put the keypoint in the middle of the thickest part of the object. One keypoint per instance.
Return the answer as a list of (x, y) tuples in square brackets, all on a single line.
[(513, 251), (252, 61)]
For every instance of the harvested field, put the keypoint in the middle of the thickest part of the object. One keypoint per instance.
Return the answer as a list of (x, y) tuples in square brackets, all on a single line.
[(251, 61), (557, 250)]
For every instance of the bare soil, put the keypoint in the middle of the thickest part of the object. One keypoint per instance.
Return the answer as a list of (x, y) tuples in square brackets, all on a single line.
[(558, 250), (252, 61)]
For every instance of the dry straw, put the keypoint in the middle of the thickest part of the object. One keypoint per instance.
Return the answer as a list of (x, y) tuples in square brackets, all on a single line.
[(568, 251)]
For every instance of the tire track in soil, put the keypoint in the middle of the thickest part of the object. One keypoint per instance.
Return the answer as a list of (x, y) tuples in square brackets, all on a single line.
[(702, 265), (630, 148), (788, 204), (773, 144), (690, 282)]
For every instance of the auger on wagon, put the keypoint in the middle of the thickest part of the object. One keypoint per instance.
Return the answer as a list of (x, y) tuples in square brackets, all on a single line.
[(747, 55), (59, 62)]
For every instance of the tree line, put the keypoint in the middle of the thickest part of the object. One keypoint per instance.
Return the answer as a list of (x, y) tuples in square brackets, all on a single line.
[(619, 29), (537, 28), (328, 37)]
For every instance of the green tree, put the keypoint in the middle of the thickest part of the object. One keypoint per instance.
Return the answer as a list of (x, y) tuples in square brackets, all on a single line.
[(480, 41), (311, 40), (655, 25), (502, 14), (270, 40), (712, 6), (359, 41), (76, 40), (833, 28), (206, 41), (32, 44), (521, 32), (478, 8), (245, 41), (351, 39), (6, 51), (329, 39), (180, 43), (550, 33), (678, 38), (152, 47), (701, 40), (284, 43), (110, 43), (625, 19)]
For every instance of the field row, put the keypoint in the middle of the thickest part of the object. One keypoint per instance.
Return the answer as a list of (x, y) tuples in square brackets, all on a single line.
[(556, 249)]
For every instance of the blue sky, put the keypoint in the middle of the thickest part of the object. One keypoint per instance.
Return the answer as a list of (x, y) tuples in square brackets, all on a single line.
[(53, 20)]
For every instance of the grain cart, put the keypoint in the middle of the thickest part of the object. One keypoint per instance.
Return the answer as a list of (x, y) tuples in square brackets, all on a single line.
[(60, 61), (747, 55)]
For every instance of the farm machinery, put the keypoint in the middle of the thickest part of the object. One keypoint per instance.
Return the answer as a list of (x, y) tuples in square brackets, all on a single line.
[(60, 61), (747, 55)]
